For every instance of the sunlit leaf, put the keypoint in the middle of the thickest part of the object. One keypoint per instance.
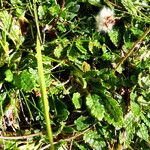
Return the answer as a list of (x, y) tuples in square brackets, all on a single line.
[(25, 81), (54, 10), (93, 44), (115, 36), (94, 2), (85, 67), (11, 27), (94, 140), (58, 50), (76, 99), (143, 132), (146, 121), (95, 107), (41, 11), (9, 75), (135, 108), (114, 114), (127, 135), (80, 47)]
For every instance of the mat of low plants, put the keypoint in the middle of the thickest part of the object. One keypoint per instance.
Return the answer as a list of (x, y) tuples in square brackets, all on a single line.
[(70, 82)]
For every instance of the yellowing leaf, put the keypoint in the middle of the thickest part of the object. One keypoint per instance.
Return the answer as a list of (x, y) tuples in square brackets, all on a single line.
[(85, 67)]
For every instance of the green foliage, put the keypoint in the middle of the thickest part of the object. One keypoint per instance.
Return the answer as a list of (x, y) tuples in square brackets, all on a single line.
[(61, 111), (83, 123), (96, 100), (76, 100), (97, 110), (9, 75), (94, 140), (143, 132), (114, 113), (25, 81)]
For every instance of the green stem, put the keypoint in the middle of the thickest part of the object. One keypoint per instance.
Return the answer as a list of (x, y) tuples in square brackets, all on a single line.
[(30, 113), (42, 81), (43, 92), (133, 47), (36, 20)]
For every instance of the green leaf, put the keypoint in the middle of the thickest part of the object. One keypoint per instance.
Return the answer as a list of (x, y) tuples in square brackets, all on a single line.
[(80, 47), (61, 27), (9, 75), (25, 81), (130, 7), (142, 100), (61, 111), (61, 145), (71, 11), (136, 10), (82, 147), (94, 140), (30, 145), (11, 27), (41, 11), (92, 44), (68, 130), (136, 31), (10, 144), (58, 50), (135, 108), (6, 20), (143, 80), (95, 107), (94, 2), (114, 36), (77, 100), (18, 10), (107, 56), (129, 126), (114, 114), (73, 54), (146, 121), (73, 7), (83, 123), (143, 132), (54, 10), (120, 69), (16, 2)]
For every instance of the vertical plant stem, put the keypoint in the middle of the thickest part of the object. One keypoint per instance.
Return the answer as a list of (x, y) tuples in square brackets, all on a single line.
[(42, 81), (36, 20), (44, 94)]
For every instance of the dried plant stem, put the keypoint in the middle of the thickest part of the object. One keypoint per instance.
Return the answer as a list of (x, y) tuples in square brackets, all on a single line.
[(133, 47), (20, 137), (70, 138), (42, 80)]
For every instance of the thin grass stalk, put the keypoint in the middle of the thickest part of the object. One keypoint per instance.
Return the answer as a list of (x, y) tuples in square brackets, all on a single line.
[(44, 94), (42, 81)]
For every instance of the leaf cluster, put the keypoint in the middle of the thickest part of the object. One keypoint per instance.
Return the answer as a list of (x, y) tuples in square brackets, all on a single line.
[(93, 104)]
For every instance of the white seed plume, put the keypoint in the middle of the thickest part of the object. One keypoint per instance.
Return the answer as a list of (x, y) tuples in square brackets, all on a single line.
[(105, 20)]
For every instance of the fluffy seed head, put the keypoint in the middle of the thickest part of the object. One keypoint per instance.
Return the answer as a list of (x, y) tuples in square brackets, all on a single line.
[(105, 20)]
